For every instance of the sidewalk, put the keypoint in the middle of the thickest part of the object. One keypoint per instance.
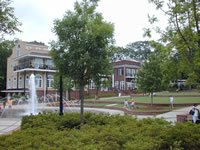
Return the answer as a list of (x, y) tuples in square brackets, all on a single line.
[(7, 125), (172, 115)]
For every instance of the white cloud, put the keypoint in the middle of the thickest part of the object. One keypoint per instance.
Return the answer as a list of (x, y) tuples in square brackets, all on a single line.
[(129, 18)]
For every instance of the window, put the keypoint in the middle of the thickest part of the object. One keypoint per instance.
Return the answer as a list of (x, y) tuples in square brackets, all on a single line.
[(49, 81), (17, 52), (20, 82), (122, 85), (38, 81), (38, 62), (91, 85), (116, 84), (9, 83), (27, 81), (120, 72), (14, 82)]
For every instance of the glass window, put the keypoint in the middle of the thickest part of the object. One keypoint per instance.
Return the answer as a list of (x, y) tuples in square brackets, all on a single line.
[(20, 82), (38, 81), (49, 81), (116, 84), (38, 62), (92, 85), (120, 72), (122, 85), (14, 82)]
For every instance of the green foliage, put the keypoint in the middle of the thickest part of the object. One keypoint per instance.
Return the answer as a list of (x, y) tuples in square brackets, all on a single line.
[(5, 51), (181, 37), (139, 50), (150, 75), (82, 51), (8, 22), (100, 131)]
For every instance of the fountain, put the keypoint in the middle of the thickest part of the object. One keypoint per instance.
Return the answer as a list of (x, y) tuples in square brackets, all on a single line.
[(32, 103)]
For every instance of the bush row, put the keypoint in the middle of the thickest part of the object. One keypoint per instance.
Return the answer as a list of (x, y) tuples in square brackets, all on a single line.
[(51, 131)]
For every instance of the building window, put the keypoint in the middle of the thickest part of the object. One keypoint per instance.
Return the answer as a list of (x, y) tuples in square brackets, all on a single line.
[(38, 81), (122, 85), (18, 51), (49, 81), (14, 82), (27, 81), (120, 72), (20, 82), (116, 84), (38, 62), (91, 85), (9, 83)]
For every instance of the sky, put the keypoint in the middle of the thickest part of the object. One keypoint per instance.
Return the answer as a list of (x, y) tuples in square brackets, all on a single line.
[(128, 16)]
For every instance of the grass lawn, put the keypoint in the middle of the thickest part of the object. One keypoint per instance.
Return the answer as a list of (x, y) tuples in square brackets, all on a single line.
[(156, 99)]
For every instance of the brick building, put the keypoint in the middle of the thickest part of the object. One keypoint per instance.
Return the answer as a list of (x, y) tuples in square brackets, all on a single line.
[(33, 57), (125, 74)]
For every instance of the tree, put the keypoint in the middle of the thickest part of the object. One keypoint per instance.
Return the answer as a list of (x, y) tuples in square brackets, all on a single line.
[(67, 84), (149, 77), (8, 21), (5, 51), (82, 50), (8, 25), (139, 50), (182, 34)]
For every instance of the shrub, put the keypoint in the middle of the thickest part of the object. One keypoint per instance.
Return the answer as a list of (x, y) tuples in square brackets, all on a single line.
[(100, 131)]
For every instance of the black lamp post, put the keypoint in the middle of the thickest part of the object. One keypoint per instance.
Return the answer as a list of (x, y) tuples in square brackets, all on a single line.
[(61, 96)]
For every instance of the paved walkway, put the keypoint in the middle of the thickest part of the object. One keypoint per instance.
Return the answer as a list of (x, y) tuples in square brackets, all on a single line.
[(7, 125)]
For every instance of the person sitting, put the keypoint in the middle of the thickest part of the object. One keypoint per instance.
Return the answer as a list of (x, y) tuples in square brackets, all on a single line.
[(132, 104)]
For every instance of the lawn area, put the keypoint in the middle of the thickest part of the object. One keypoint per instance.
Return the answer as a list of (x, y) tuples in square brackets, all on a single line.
[(156, 99)]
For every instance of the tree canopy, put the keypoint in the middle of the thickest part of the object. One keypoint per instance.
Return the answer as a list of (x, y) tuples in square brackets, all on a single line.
[(8, 25), (149, 78), (8, 22), (182, 34), (139, 50), (82, 51)]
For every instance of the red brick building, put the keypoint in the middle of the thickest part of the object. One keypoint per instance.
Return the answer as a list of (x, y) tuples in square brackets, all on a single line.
[(125, 74)]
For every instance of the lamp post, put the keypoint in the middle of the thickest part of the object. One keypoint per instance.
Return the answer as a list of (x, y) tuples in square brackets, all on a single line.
[(61, 96)]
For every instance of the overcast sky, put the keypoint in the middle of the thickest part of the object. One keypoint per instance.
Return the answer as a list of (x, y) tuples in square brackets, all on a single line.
[(128, 16)]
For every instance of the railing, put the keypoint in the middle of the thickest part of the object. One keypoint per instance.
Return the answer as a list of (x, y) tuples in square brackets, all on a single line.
[(130, 75), (36, 66)]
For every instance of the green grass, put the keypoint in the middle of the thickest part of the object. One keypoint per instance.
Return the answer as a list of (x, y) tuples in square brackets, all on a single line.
[(156, 99), (166, 99)]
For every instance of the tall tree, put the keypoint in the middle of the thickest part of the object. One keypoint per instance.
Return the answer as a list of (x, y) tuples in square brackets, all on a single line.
[(5, 51), (182, 33), (8, 21), (149, 77), (82, 50), (139, 50), (8, 25)]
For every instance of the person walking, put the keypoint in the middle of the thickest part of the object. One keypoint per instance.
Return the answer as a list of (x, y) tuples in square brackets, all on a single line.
[(171, 100), (195, 113)]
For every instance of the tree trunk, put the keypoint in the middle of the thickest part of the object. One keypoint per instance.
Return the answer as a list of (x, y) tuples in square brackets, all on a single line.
[(81, 90), (97, 93)]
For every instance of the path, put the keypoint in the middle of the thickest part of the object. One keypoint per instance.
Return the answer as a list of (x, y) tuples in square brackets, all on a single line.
[(8, 125)]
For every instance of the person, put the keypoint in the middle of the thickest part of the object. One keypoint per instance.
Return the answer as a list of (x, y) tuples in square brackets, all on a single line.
[(9, 101), (125, 103), (171, 100), (195, 113), (132, 104), (4, 104)]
